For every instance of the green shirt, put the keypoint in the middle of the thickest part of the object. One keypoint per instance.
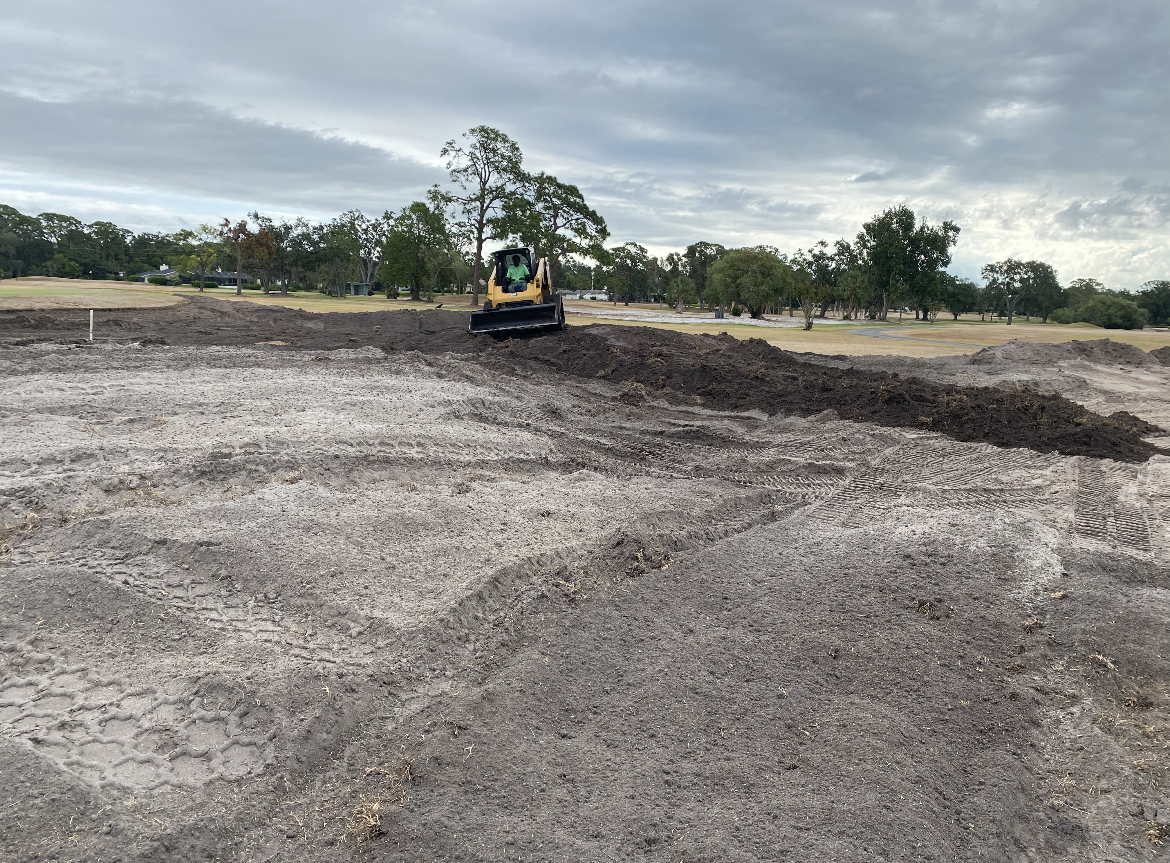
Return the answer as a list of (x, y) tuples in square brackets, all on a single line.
[(518, 273)]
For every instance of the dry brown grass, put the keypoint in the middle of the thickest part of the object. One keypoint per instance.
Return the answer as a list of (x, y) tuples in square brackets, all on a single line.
[(1157, 833), (12, 534), (311, 301), (920, 340), (36, 293), (40, 293), (364, 823)]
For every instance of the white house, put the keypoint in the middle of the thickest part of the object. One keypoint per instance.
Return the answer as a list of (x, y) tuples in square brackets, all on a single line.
[(165, 272)]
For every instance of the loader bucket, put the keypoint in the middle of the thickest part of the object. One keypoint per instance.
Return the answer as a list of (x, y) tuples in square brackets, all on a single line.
[(543, 316)]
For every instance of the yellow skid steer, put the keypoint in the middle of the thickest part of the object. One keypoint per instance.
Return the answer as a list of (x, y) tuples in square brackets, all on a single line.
[(519, 296)]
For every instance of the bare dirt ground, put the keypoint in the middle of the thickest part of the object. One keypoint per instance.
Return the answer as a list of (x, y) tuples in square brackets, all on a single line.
[(387, 592)]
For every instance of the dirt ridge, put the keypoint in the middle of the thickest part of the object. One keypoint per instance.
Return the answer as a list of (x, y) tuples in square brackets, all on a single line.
[(717, 372)]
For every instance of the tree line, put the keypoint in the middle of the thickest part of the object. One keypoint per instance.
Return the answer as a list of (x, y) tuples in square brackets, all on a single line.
[(896, 261)]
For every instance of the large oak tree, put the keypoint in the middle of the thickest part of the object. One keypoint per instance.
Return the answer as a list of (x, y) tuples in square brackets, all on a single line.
[(488, 171)]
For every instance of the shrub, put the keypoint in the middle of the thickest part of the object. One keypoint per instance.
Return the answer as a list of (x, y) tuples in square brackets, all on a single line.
[(1111, 313), (1155, 299), (157, 280), (63, 268), (754, 277), (737, 311), (1114, 313), (392, 292)]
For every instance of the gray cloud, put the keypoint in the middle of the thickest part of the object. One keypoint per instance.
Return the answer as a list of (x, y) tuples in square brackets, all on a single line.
[(187, 148), (1122, 216), (770, 122)]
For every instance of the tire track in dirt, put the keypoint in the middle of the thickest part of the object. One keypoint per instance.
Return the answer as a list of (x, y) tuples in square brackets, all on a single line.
[(107, 729), (476, 636), (257, 618), (891, 481), (1110, 510)]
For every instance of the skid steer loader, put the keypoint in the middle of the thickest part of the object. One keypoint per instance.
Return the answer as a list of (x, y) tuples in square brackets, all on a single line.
[(519, 296)]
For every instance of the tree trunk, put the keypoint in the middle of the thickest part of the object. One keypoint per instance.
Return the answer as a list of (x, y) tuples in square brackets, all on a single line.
[(1011, 307), (201, 281), (416, 291), (239, 285), (477, 268)]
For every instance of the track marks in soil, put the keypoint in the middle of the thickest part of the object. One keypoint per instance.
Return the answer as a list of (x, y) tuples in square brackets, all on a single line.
[(476, 635), (220, 607), (109, 729), (975, 478), (1111, 509)]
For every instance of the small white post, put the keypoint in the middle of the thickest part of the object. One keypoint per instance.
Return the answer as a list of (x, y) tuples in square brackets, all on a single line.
[(91, 325)]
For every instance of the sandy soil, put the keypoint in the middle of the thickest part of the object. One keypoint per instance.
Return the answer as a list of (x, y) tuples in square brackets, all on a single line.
[(264, 602)]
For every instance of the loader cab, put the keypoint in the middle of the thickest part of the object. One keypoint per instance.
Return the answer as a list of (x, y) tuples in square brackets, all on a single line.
[(504, 260)]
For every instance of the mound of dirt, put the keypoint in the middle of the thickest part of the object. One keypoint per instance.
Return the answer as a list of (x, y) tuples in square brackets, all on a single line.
[(1105, 351), (718, 372), (1162, 355), (206, 321), (728, 374)]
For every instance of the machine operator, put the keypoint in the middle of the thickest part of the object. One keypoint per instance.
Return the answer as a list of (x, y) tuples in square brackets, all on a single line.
[(517, 275)]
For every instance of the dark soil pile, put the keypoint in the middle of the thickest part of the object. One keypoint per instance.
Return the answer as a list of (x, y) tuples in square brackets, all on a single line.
[(725, 373), (1162, 355), (717, 372)]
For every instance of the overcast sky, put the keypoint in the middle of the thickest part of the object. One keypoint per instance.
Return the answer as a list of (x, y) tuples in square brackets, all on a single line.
[(1042, 127)]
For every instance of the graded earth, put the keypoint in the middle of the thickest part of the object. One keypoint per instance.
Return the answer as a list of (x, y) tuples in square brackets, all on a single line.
[(282, 586)]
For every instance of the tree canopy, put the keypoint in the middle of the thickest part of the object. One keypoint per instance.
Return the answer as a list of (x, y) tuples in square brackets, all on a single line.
[(903, 259), (755, 278), (1154, 297), (488, 172), (417, 246)]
